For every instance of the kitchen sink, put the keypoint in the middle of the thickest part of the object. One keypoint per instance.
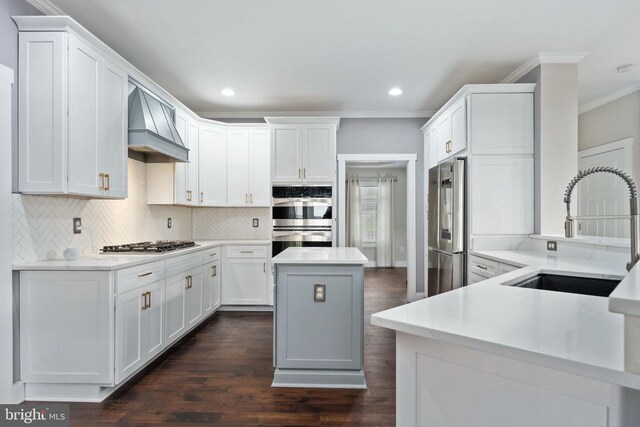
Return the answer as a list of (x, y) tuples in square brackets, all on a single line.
[(570, 284)]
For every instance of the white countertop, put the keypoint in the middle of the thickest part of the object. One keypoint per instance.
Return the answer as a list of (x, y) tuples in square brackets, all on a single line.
[(320, 256), (100, 262), (568, 332)]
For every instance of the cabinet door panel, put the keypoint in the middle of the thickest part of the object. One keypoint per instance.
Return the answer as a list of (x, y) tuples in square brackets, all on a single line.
[(245, 282), (501, 195), (129, 333), (153, 320), (501, 123), (192, 166), (458, 127), (42, 110), (286, 156), (259, 162), (211, 288), (84, 123), (213, 166), (180, 169), (174, 307), (238, 174), (319, 153), (193, 299), (114, 112), (443, 136)]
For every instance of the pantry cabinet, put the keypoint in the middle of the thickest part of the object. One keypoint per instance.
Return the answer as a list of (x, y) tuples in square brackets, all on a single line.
[(303, 152), (72, 118), (248, 162)]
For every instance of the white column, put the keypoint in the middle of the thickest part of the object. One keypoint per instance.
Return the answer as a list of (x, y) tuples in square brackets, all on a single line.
[(6, 283)]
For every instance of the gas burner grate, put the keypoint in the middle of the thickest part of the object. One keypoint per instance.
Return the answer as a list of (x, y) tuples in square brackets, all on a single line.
[(158, 246)]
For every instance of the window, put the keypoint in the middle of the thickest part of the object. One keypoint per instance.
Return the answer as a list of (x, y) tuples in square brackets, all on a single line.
[(369, 211)]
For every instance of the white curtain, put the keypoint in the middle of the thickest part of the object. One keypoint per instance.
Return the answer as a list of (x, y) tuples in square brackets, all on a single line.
[(384, 229), (354, 238)]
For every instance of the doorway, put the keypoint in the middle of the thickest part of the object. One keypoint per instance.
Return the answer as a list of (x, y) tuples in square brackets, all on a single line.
[(382, 177)]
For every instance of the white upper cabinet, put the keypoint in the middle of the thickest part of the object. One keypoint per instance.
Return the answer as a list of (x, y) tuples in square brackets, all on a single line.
[(501, 123), (212, 165), (72, 118), (303, 152), (286, 154), (248, 158), (458, 140)]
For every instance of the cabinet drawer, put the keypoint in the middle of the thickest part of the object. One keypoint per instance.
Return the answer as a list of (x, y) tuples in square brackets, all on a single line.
[(182, 263), (246, 251), (140, 275), (212, 254), (483, 267)]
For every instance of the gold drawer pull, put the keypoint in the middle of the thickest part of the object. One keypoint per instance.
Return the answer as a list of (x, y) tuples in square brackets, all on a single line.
[(214, 271), (145, 274), (213, 254), (246, 252), (481, 267)]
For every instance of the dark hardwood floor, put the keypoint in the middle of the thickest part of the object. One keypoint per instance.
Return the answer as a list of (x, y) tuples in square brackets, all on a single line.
[(221, 374)]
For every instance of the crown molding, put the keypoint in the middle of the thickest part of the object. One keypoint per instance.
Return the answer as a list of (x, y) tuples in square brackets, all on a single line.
[(341, 114), (46, 7), (609, 97), (544, 58)]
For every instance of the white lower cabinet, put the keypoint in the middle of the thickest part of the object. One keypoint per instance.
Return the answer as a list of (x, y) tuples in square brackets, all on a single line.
[(193, 297), (174, 307), (139, 322), (211, 289), (245, 278), (84, 332)]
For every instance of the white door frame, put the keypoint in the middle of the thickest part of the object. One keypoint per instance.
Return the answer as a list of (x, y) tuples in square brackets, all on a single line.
[(411, 206)]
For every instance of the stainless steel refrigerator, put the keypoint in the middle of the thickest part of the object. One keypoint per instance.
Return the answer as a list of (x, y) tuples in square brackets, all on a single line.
[(446, 227)]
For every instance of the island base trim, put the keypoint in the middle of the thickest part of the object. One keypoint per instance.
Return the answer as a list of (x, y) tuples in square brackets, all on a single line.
[(319, 379)]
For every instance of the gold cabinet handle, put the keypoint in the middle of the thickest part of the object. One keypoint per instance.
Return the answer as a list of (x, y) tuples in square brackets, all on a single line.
[(264, 267), (145, 274), (213, 254), (304, 172), (299, 173), (201, 197), (144, 301), (186, 282), (246, 252), (251, 198), (149, 292), (214, 271), (108, 177), (101, 175)]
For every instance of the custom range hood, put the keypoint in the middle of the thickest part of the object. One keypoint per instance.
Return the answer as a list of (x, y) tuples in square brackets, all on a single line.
[(152, 131)]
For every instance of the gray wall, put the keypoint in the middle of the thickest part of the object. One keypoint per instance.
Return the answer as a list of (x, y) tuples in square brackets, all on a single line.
[(391, 136), (9, 57), (610, 122)]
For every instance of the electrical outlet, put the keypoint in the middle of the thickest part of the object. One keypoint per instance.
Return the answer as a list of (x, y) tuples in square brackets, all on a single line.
[(77, 225), (552, 245), (255, 223), (168, 222)]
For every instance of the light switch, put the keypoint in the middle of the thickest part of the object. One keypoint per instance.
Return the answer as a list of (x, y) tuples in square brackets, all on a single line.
[(319, 293)]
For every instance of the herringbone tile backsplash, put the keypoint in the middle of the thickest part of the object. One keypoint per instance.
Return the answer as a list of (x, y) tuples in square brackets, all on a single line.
[(42, 225)]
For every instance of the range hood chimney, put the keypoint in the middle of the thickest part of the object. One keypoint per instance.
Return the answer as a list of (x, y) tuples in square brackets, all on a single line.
[(152, 130)]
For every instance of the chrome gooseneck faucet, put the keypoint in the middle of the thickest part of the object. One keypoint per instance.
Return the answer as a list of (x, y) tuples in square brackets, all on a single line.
[(569, 226)]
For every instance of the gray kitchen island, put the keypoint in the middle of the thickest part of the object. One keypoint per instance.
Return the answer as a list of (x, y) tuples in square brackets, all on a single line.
[(319, 318)]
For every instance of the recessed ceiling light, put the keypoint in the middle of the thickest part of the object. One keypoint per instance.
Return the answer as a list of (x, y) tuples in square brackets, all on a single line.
[(625, 68), (396, 91), (228, 92)]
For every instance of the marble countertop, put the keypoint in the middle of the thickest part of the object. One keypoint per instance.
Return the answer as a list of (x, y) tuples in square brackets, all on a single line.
[(568, 332), (320, 256), (107, 262)]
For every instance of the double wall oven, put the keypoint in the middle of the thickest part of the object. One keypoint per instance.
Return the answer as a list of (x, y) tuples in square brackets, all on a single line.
[(302, 216)]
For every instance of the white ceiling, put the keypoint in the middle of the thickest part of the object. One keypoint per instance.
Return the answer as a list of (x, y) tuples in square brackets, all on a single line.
[(343, 56)]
